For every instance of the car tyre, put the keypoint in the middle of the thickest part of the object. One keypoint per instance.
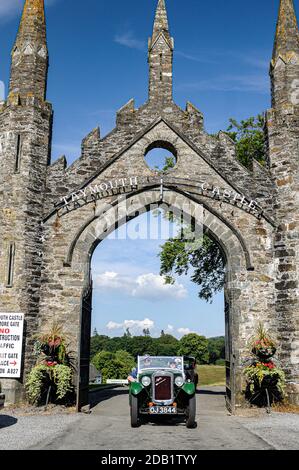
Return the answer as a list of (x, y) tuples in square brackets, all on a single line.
[(135, 422), (191, 423)]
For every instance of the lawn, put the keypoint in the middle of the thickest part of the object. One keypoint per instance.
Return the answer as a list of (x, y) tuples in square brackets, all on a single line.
[(211, 375)]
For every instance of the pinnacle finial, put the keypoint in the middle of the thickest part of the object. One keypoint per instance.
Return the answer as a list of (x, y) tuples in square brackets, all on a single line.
[(30, 54), (33, 23), (287, 33), (161, 21)]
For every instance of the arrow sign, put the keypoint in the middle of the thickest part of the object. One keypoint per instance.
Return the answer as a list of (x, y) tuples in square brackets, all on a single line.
[(11, 344)]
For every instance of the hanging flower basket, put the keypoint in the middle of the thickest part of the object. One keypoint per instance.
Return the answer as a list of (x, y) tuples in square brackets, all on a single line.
[(262, 345), (263, 350), (265, 380)]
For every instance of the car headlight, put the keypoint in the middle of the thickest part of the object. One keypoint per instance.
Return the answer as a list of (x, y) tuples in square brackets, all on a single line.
[(145, 381), (179, 381)]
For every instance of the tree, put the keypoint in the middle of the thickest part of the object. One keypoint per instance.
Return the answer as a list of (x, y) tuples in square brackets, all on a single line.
[(142, 345), (196, 346), (128, 333), (216, 348), (250, 139), (113, 365), (98, 343), (146, 332), (208, 262), (166, 345)]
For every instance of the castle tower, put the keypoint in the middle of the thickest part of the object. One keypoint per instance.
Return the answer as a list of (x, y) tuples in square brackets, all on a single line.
[(283, 132), (30, 54), (25, 135), (160, 58)]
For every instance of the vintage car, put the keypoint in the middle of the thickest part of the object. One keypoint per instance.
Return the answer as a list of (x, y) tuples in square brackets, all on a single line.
[(190, 369), (161, 388)]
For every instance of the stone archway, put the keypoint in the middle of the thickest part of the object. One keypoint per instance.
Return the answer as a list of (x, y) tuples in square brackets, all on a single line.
[(107, 218)]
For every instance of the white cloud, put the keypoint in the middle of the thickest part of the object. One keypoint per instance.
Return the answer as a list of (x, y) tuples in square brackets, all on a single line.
[(145, 286), (152, 287), (128, 40), (184, 331), (258, 83), (170, 328), (135, 326)]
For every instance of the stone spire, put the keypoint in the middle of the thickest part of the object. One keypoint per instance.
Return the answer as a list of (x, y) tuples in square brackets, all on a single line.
[(161, 21), (160, 57), (287, 33), (284, 70), (29, 66)]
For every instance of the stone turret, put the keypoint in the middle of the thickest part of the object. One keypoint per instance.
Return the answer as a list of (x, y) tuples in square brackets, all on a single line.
[(160, 57), (25, 132), (283, 132), (29, 66)]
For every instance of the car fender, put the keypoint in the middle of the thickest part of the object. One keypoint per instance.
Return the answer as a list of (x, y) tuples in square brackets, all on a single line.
[(189, 388), (136, 388)]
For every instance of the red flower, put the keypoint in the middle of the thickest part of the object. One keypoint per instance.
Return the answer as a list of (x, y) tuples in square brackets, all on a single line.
[(270, 365), (54, 343), (51, 363)]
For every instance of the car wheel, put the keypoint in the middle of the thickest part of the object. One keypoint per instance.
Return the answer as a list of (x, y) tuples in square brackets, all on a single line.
[(191, 413), (134, 412)]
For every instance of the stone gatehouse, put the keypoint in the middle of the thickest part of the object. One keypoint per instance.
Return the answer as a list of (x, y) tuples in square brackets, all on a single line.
[(52, 216)]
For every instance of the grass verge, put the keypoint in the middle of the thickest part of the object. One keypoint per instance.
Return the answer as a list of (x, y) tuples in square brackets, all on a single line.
[(211, 375)]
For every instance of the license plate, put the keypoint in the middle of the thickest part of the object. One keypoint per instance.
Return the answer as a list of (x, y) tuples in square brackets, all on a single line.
[(163, 410)]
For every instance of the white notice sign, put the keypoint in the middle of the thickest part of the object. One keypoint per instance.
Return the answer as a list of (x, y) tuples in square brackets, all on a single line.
[(11, 340)]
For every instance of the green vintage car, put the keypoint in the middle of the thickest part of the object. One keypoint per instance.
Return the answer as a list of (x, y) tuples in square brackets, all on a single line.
[(161, 388)]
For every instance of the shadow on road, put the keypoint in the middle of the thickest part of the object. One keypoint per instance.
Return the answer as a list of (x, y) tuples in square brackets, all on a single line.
[(210, 392), (6, 421), (97, 397)]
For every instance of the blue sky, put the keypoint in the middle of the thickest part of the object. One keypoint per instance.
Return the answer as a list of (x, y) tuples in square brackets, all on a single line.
[(98, 61), (128, 291)]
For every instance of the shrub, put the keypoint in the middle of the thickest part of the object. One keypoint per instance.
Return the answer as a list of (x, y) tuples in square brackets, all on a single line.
[(51, 377)]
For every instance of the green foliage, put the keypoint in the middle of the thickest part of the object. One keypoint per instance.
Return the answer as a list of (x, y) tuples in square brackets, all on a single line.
[(97, 343), (206, 262), (53, 370), (113, 365), (261, 376), (136, 345), (220, 362), (250, 139), (194, 345), (216, 348), (35, 384), (169, 163), (262, 341), (62, 376), (166, 345), (126, 349), (265, 380)]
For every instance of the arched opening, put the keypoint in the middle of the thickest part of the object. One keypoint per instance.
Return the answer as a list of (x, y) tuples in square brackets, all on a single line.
[(161, 156), (231, 247)]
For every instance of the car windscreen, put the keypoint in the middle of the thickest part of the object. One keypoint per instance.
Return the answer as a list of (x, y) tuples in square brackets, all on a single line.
[(160, 362)]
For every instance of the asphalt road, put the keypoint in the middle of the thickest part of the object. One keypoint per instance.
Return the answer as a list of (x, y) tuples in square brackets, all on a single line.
[(108, 428)]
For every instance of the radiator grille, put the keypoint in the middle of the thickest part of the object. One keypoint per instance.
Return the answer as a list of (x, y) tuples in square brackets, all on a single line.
[(163, 387)]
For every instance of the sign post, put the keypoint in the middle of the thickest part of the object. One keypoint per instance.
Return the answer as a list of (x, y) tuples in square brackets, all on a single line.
[(11, 341)]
